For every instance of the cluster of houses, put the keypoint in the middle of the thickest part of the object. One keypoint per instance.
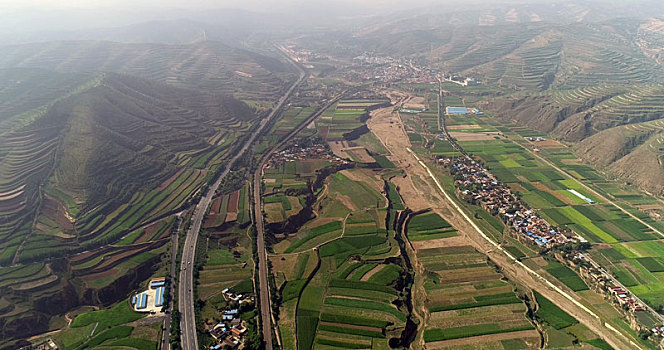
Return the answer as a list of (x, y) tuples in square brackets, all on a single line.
[(463, 81), (152, 299), (621, 296), (476, 185), (625, 298), (299, 151), (48, 344), (387, 69), (535, 139), (229, 333)]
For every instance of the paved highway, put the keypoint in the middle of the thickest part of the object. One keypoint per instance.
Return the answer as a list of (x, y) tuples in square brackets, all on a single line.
[(186, 281), (266, 307)]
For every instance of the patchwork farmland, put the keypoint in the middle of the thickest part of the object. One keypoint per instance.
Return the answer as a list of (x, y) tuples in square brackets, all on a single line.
[(467, 300), (340, 277), (510, 154)]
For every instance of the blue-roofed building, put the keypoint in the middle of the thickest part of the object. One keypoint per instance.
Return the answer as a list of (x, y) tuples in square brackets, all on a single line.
[(155, 285), (159, 298), (456, 110), (142, 302)]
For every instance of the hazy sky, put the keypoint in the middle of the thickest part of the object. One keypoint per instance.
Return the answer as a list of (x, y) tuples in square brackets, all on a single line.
[(198, 4)]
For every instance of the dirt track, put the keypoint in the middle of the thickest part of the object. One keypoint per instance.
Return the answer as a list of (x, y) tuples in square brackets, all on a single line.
[(388, 128)]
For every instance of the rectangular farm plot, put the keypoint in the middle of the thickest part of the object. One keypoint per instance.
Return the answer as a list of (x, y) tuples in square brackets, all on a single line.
[(429, 226), (565, 275), (468, 299)]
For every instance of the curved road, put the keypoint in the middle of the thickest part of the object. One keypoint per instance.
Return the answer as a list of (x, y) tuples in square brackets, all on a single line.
[(186, 283)]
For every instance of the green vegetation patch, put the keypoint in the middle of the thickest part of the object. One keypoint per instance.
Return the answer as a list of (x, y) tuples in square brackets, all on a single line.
[(652, 264), (565, 275), (119, 314), (387, 275), (344, 330), (552, 314), (431, 335), (366, 304), (353, 320), (486, 300), (340, 344), (429, 221), (383, 162)]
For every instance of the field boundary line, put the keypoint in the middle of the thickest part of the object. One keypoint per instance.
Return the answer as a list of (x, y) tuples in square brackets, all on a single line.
[(571, 177), (510, 256)]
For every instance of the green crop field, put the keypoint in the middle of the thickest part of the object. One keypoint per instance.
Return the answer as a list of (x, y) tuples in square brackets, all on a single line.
[(346, 296), (552, 314)]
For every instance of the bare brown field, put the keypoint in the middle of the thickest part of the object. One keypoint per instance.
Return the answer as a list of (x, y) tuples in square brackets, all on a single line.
[(338, 148), (464, 126), (169, 180), (475, 136), (540, 261), (517, 187), (372, 272), (571, 161), (233, 202), (347, 201), (456, 241)]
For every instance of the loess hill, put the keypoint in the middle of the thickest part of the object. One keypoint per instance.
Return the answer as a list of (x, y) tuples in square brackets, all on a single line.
[(100, 143), (571, 80), (565, 70)]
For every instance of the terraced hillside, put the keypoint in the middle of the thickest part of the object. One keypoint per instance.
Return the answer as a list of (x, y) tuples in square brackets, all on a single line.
[(617, 127), (574, 56), (503, 47), (121, 153), (633, 152), (94, 162), (206, 65)]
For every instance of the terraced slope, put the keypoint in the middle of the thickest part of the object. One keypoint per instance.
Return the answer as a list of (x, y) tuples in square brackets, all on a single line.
[(205, 65), (107, 159), (633, 152), (573, 115), (574, 56), (617, 127), (88, 166)]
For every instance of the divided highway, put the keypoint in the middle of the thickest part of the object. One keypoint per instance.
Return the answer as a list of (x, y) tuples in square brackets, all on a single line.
[(186, 281)]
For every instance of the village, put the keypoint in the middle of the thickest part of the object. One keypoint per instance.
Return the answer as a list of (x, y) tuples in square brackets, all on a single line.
[(303, 149), (476, 185), (230, 331)]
